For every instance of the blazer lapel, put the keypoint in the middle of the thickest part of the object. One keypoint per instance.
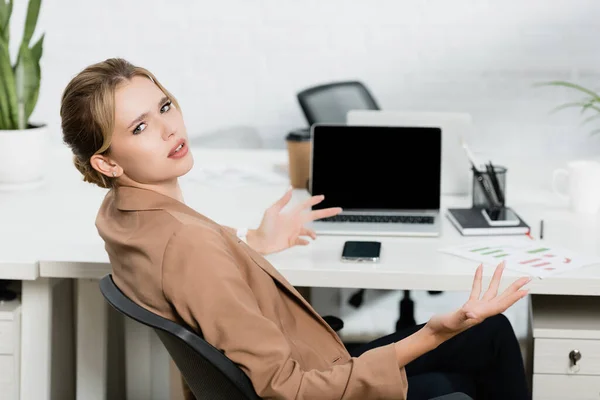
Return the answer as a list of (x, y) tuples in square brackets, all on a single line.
[(269, 269)]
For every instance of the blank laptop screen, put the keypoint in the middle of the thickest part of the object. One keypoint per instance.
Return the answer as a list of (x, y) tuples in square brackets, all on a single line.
[(376, 167)]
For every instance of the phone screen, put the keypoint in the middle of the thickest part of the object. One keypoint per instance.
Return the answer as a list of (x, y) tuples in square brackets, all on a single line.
[(503, 214), (501, 217), (361, 250)]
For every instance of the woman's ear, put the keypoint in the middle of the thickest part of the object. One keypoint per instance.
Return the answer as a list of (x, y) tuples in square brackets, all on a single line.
[(105, 166)]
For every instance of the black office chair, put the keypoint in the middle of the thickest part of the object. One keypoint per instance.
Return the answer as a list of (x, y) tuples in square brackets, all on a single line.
[(207, 371), (330, 103)]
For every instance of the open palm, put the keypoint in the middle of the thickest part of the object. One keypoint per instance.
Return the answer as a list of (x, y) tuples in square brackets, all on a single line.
[(477, 309), (280, 230)]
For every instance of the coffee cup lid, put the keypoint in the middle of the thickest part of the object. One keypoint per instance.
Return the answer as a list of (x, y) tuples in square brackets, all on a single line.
[(298, 135)]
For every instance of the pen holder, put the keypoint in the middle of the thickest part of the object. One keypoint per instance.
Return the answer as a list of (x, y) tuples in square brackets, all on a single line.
[(479, 197)]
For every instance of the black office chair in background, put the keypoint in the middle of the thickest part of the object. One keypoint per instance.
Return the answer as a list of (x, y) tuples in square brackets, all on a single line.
[(207, 371), (330, 103)]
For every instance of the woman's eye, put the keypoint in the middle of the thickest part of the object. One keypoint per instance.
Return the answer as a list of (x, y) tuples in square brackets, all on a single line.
[(138, 129), (166, 107)]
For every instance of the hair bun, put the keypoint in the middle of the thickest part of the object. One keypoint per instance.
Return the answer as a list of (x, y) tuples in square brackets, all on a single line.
[(90, 174)]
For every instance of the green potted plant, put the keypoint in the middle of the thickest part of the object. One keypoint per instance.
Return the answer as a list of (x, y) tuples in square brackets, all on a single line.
[(22, 143), (589, 103)]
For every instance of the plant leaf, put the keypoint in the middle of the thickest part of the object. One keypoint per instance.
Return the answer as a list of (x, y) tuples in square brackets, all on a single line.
[(568, 105), (33, 11), (5, 13), (572, 86), (37, 49), (590, 119), (595, 131), (3, 9), (5, 120), (583, 104), (27, 74), (8, 96), (31, 100), (589, 105)]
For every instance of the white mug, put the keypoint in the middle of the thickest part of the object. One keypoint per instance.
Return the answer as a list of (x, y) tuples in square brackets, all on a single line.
[(582, 182)]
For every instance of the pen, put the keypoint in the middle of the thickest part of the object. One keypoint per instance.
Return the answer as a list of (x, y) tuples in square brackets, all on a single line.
[(487, 191), (541, 229), (470, 155), (485, 186), (496, 184)]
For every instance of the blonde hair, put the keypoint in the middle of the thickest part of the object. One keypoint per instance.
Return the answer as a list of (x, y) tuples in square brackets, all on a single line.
[(87, 112)]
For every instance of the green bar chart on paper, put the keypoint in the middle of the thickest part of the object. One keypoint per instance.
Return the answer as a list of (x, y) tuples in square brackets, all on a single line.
[(522, 255), (519, 252), (540, 250), (490, 251)]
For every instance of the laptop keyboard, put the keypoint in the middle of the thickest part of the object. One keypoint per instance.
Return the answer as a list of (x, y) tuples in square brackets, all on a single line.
[(402, 219)]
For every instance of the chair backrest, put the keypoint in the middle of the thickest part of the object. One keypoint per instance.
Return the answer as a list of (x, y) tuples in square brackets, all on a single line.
[(206, 370), (329, 103)]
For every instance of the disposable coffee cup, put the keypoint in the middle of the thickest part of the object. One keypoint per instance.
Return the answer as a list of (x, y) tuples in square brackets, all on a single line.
[(298, 145)]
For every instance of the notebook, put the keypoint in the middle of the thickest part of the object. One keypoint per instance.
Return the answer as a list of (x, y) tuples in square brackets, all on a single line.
[(471, 222)]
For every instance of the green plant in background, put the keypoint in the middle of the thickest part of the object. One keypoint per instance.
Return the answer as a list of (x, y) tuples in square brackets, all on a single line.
[(19, 83), (591, 101)]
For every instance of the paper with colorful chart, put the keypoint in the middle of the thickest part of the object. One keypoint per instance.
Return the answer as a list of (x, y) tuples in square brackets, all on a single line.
[(526, 256)]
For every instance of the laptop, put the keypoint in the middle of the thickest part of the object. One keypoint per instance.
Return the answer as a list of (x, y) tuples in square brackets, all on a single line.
[(456, 168), (386, 179)]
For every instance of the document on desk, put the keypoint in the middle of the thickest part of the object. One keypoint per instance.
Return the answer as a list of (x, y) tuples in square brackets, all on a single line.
[(528, 256)]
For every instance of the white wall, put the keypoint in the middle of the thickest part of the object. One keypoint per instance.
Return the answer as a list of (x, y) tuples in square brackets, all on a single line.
[(240, 62)]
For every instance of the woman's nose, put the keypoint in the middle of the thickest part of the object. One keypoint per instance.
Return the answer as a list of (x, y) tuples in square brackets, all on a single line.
[(168, 129)]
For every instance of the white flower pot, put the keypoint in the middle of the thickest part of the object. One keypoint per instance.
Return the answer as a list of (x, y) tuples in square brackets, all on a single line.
[(22, 157)]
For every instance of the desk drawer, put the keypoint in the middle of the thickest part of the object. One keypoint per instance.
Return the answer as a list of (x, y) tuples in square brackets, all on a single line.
[(551, 356), (7, 337), (566, 387)]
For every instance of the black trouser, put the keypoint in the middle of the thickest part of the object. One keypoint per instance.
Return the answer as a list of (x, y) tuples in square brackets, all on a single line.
[(484, 362)]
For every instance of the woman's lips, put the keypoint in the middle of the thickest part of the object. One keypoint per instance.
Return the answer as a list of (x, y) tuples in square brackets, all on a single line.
[(180, 150)]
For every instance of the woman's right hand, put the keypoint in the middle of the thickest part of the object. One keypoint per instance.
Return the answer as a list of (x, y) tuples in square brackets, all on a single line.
[(477, 309)]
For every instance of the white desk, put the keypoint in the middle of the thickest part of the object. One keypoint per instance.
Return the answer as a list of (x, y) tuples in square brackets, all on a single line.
[(49, 233)]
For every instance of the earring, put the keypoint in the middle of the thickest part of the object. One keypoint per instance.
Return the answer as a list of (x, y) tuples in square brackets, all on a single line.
[(114, 174)]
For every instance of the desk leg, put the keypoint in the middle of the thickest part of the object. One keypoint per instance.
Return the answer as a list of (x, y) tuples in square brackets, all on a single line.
[(92, 341), (36, 335)]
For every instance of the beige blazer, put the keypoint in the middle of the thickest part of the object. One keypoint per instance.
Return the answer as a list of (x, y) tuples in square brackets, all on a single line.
[(183, 266)]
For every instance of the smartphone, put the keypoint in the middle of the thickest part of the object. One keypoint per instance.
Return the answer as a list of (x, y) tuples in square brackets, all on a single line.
[(361, 251), (501, 217)]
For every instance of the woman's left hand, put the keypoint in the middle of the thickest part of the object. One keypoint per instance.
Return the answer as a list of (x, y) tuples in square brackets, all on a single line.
[(279, 231), (477, 308)]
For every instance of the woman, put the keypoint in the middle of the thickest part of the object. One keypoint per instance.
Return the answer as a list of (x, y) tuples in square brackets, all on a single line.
[(127, 134)]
